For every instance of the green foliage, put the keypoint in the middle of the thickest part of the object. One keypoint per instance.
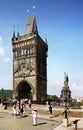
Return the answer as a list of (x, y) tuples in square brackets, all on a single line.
[(5, 94), (52, 98), (81, 103)]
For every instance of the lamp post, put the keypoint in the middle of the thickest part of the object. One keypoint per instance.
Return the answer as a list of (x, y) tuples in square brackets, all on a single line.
[(66, 112), (66, 123), (66, 98)]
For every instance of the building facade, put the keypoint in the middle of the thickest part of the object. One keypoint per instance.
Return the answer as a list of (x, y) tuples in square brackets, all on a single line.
[(30, 63)]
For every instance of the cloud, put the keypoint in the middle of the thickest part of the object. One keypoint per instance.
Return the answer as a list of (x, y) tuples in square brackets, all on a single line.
[(1, 48), (1, 51), (76, 87), (56, 83), (3, 56), (72, 85), (0, 39), (6, 59)]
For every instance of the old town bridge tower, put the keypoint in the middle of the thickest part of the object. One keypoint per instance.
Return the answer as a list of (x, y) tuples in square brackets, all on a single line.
[(29, 63)]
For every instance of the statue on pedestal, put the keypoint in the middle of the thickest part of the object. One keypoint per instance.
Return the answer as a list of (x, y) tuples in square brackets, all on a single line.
[(66, 79), (65, 92)]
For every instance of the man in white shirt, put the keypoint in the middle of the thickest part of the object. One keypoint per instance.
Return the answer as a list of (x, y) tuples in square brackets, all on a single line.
[(34, 113)]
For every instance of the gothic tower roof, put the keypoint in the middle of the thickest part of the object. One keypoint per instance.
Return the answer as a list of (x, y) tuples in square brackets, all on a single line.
[(31, 26)]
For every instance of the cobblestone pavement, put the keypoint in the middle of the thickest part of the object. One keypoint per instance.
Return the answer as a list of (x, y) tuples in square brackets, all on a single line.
[(11, 122), (45, 121)]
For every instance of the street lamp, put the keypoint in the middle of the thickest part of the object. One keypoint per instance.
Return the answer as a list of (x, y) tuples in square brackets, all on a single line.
[(66, 108)]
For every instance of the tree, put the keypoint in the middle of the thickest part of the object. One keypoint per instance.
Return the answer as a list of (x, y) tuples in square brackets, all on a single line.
[(81, 103)]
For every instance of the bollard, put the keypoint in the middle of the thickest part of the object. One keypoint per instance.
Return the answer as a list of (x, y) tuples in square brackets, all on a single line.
[(75, 122), (34, 113)]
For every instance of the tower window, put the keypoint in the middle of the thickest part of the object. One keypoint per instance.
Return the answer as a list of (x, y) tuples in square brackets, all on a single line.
[(19, 53), (22, 52), (15, 54), (28, 51)]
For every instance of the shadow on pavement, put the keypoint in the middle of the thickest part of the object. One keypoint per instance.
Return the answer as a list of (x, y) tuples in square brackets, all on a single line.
[(23, 116), (42, 123)]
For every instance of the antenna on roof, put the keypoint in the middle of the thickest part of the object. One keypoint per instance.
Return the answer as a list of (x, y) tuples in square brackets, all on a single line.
[(27, 12), (34, 8)]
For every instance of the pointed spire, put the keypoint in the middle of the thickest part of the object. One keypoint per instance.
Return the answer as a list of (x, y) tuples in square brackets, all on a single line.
[(13, 34), (18, 34), (31, 26), (13, 31), (46, 40)]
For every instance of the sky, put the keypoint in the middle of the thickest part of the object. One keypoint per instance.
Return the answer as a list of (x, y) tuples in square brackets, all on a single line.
[(61, 21)]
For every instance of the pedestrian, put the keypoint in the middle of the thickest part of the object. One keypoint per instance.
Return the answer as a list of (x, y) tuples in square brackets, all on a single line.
[(30, 103), (23, 104), (34, 113), (50, 109), (66, 112), (14, 109), (21, 110)]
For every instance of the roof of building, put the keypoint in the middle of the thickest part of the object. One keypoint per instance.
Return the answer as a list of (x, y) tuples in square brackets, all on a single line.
[(31, 26)]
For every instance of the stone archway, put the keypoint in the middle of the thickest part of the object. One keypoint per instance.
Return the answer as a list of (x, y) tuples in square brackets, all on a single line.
[(23, 90)]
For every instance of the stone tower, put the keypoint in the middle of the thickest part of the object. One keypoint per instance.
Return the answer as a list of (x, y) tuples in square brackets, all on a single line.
[(29, 64)]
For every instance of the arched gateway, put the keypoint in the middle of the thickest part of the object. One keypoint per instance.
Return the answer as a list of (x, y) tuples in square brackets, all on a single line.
[(29, 63), (24, 90)]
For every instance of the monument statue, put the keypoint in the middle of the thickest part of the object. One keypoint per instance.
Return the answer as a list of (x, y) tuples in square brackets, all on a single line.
[(66, 79), (66, 92)]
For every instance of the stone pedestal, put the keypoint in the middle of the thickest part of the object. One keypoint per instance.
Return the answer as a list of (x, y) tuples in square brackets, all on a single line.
[(65, 122)]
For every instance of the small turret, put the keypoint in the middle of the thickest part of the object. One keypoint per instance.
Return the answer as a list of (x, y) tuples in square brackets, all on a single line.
[(18, 34), (46, 40), (13, 34)]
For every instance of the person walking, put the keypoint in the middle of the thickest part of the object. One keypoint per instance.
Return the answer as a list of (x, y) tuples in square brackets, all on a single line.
[(21, 110), (34, 114), (14, 109), (30, 103), (50, 109)]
